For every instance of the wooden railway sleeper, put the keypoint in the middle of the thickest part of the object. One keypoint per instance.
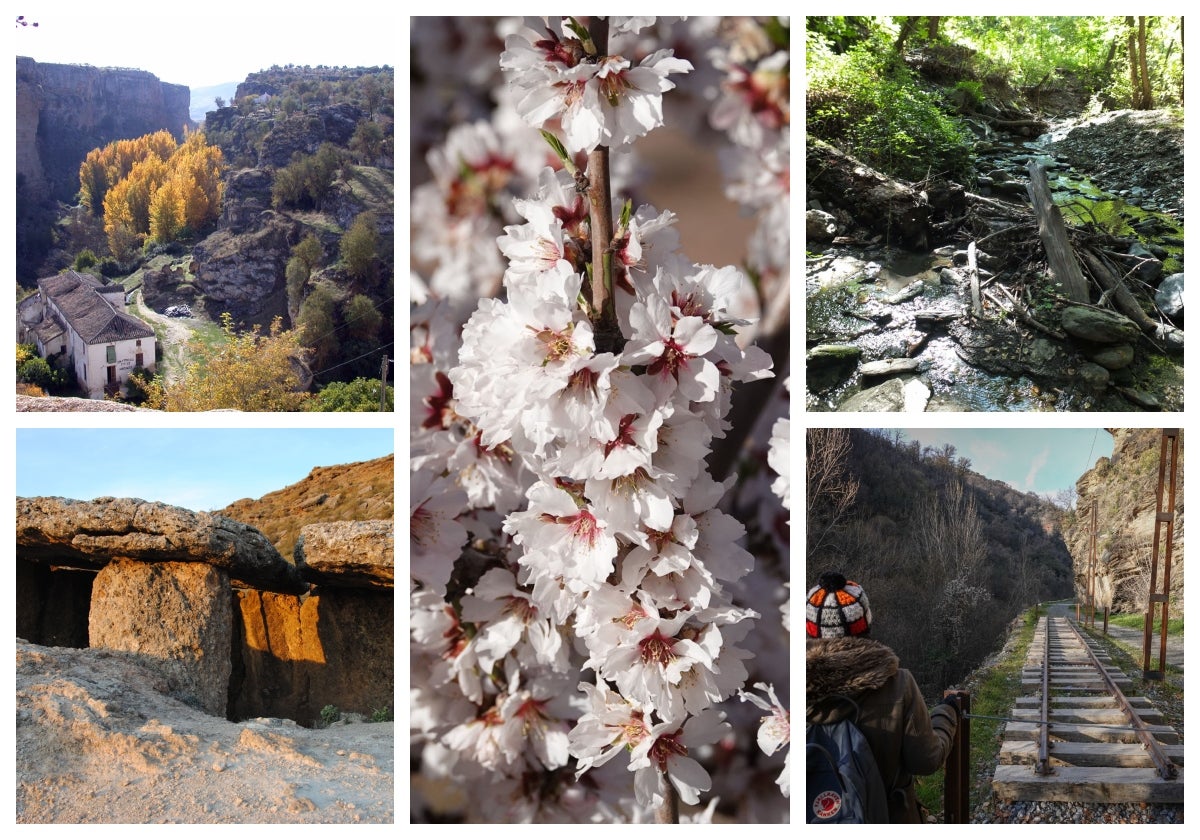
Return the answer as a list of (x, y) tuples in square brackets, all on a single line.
[(1166, 767)]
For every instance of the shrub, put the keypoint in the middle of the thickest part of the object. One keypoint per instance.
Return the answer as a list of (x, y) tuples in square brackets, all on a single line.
[(381, 715), (872, 106), (330, 715)]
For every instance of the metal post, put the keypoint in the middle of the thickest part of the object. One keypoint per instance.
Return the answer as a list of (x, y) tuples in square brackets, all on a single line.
[(1164, 515), (1092, 571), (956, 788)]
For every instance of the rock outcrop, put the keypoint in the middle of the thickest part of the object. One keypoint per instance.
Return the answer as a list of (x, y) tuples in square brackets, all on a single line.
[(66, 110), (1124, 490), (348, 554)]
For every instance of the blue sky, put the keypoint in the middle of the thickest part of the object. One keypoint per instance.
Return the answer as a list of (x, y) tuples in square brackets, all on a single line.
[(199, 469), (1042, 461), (201, 44)]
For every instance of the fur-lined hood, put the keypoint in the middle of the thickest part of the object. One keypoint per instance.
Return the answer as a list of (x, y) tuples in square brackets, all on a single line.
[(848, 665)]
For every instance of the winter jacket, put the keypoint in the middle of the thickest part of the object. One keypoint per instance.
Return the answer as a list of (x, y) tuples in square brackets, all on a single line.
[(905, 738)]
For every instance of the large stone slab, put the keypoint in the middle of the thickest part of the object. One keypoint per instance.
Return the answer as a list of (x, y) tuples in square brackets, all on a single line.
[(348, 554), (92, 534), (178, 617)]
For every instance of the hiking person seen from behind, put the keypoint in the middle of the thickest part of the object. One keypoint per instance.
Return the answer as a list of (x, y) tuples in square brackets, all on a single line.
[(853, 681)]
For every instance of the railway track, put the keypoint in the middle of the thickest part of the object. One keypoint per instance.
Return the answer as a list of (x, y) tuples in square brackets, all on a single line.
[(1077, 737)]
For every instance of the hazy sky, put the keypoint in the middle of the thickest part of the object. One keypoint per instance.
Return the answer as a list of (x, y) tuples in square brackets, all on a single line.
[(1041, 461), (199, 469), (215, 41)]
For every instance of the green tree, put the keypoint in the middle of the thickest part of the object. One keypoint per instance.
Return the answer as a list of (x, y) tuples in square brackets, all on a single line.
[(246, 371), (367, 142), (318, 327), (360, 247), (37, 371), (360, 395), (362, 317)]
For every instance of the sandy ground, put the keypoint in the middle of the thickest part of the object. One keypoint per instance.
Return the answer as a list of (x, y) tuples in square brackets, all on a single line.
[(97, 741)]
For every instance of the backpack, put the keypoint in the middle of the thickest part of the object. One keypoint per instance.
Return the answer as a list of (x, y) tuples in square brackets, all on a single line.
[(843, 781)]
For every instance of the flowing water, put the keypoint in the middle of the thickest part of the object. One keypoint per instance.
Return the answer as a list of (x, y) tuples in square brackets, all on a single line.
[(894, 304)]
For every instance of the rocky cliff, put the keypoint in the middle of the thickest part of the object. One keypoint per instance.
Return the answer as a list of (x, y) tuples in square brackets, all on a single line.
[(1124, 488), (66, 110)]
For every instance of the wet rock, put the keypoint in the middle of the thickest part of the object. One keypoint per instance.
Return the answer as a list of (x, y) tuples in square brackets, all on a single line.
[(1169, 297), (916, 395), (888, 367), (824, 355), (909, 292), (886, 397), (1115, 357), (1146, 266), (828, 365), (1141, 398), (1099, 326), (819, 226), (1093, 376)]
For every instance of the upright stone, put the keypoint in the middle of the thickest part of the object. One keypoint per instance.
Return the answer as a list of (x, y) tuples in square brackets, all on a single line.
[(177, 616)]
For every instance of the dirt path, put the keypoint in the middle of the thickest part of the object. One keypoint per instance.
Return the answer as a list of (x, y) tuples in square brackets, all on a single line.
[(176, 335)]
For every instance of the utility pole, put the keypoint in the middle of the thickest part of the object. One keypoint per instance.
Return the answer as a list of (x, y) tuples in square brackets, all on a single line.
[(383, 374)]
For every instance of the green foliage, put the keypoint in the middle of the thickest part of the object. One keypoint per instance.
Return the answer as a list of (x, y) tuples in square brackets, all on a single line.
[(37, 371), (330, 714), (84, 260), (360, 247), (359, 395), (973, 91), (306, 181), (362, 317), (871, 106), (367, 142), (381, 715), (318, 327)]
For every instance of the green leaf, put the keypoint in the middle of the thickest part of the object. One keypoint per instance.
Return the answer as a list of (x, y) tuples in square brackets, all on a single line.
[(560, 150)]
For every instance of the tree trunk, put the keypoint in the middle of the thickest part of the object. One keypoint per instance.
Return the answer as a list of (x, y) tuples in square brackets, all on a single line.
[(1135, 85), (933, 28), (906, 29), (1147, 93), (1053, 232)]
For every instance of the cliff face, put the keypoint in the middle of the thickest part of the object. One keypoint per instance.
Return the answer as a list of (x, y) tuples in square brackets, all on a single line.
[(1124, 489), (65, 110)]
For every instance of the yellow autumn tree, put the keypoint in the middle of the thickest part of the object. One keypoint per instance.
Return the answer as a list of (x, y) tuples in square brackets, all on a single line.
[(152, 188)]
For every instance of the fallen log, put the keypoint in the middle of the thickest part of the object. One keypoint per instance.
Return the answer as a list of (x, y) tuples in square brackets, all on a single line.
[(1053, 232), (1115, 290), (973, 275)]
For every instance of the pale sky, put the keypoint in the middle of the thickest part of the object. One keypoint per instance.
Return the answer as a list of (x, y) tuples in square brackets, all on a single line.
[(1042, 461), (199, 469), (211, 42)]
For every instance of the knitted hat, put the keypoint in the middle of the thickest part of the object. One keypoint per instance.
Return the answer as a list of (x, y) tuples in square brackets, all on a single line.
[(837, 607)]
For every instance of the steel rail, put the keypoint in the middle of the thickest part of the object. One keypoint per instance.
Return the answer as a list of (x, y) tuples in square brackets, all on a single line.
[(1166, 767), (1042, 768)]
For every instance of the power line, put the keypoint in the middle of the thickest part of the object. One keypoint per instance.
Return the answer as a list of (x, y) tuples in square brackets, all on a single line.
[(355, 359)]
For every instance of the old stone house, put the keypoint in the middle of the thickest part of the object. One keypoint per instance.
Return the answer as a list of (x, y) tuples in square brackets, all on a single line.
[(84, 319)]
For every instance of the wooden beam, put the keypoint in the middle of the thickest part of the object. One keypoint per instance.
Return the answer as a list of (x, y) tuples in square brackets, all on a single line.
[(1053, 232), (1086, 784)]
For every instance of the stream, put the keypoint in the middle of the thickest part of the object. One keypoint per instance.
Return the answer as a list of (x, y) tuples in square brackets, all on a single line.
[(892, 330)]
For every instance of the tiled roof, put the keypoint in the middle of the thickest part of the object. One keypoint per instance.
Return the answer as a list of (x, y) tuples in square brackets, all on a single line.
[(96, 320)]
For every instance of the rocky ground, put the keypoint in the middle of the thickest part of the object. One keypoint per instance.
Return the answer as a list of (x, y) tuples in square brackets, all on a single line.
[(99, 741), (1135, 154)]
